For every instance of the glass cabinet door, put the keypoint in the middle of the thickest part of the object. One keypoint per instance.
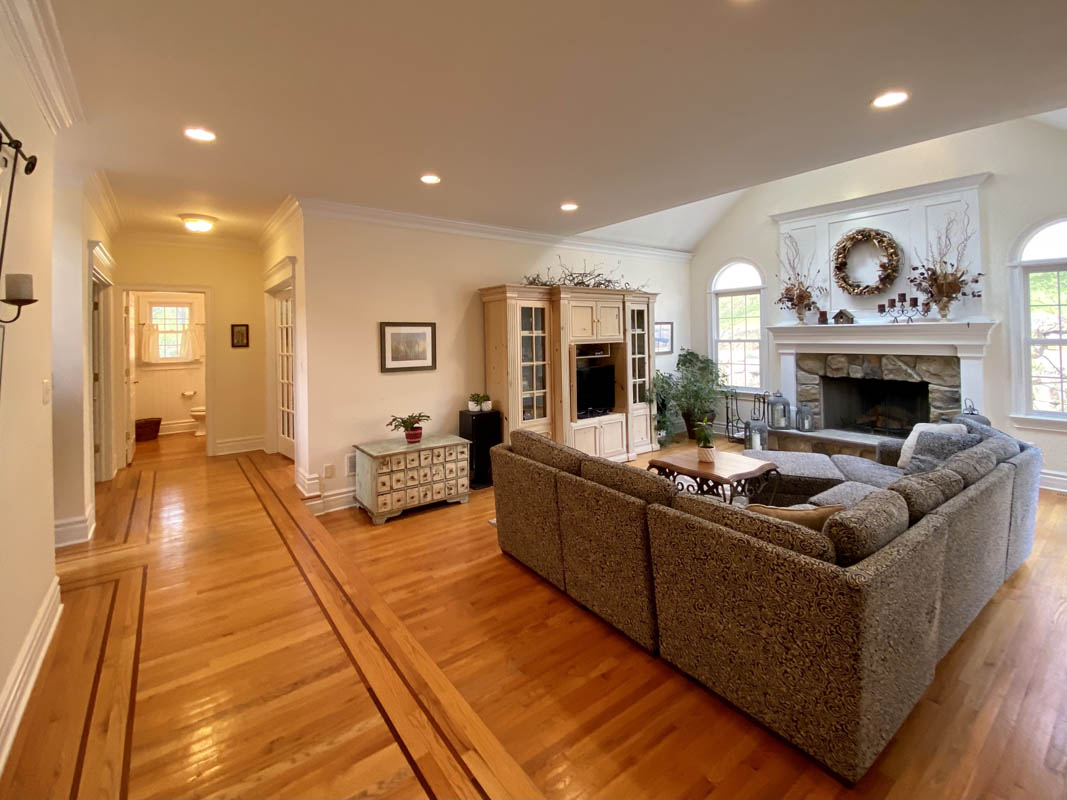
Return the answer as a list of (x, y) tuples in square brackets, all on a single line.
[(533, 361), (639, 369)]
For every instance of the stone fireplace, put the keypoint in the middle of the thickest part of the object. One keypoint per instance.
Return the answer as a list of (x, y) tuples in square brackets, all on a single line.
[(875, 393)]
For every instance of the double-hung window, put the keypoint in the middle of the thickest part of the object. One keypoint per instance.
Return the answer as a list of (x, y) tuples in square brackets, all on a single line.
[(735, 324), (1043, 263)]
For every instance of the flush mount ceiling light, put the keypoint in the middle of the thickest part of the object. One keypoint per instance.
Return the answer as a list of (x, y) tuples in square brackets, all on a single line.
[(200, 134), (568, 207), (430, 178), (198, 223), (890, 99)]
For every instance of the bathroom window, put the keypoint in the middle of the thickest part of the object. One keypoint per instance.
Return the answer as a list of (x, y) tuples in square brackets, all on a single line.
[(168, 334)]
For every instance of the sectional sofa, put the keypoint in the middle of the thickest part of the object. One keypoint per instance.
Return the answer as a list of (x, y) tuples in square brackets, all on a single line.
[(827, 637)]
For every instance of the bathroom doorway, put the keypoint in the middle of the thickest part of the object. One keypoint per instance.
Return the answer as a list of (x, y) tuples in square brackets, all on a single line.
[(167, 368)]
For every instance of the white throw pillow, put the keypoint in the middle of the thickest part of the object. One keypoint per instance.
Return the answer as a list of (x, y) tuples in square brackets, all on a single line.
[(908, 447)]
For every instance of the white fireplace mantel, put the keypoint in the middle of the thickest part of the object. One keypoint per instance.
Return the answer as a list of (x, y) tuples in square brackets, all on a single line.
[(967, 339)]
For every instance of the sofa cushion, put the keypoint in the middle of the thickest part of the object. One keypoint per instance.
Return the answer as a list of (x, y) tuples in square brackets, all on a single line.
[(909, 443), (872, 523), (806, 515), (972, 465), (845, 494), (779, 532), (933, 448), (863, 470), (1003, 448), (923, 492), (544, 450), (974, 426), (802, 475), (635, 482)]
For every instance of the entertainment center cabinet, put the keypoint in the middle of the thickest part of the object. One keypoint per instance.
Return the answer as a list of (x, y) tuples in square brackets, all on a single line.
[(547, 354)]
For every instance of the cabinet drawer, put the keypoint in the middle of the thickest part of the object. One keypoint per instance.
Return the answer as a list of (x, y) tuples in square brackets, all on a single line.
[(411, 477), (462, 487), (412, 497), (384, 483), (425, 457), (398, 500), (450, 453), (396, 462), (461, 452), (450, 488), (397, 479), (425, 474), (439, 491), (382, 465), (461, 469), (437, 472), (439, 455), (385, 502), (411, 459), (450, 469), (425, 494)]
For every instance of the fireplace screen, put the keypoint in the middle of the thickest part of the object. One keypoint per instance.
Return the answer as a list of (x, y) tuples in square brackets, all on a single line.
[(873, 406)]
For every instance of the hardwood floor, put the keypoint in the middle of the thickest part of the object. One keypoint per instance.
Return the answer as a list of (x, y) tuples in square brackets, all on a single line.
[(217, 639)]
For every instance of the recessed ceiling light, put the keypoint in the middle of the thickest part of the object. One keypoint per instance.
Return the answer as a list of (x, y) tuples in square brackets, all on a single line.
[(200, 134), (568, 207), (430, 178), (890, 99), (198, 223)]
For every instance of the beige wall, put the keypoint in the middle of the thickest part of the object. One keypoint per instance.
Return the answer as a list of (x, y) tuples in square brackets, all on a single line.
[(358, 275), (27, 564), (1028, 162), (231, 274)]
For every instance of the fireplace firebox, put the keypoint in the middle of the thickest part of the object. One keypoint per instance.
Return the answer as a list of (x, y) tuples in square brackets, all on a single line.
[(884, 407)]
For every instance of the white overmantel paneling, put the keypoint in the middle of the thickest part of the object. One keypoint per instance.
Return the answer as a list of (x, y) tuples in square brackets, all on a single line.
[(966, 339), (910, 215)]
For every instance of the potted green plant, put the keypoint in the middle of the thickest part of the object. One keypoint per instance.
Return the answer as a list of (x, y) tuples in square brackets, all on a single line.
[(705, 435), (662, 392), (487, 404), (699, 388), (474, 402), (411, 425)]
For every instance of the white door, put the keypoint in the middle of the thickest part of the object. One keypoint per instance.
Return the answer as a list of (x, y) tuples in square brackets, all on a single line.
[(129, 327), (96, 343), (283, 336)]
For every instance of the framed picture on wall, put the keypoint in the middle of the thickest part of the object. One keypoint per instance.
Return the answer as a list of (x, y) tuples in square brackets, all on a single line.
[(664, 336), (408, 346), (239, 335)]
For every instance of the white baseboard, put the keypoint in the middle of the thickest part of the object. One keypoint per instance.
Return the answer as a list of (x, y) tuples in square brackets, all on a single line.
[(332, 501), (1054, 480), (240, 445), (177, 426), (308, 484), (74, 530), (19, 682)]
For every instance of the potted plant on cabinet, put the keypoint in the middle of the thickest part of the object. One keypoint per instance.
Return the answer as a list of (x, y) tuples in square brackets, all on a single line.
[(474, 402), (705, 441), (699, 388), (411, 425)]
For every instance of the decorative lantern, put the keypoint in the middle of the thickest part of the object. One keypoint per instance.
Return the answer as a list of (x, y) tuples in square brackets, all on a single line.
[(972, 413), (778, 412), (756, 434), (805, 417)]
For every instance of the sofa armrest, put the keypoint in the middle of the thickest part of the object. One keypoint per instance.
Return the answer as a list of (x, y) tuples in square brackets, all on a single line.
[(833, 659), (887, 451)]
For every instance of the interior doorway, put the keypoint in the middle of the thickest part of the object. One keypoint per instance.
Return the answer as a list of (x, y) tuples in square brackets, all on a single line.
[(284, 393)]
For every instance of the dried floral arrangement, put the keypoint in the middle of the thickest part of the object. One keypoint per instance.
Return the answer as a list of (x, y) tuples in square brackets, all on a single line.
[(587, 278), (799, 285), (888, 269), (941, 276)]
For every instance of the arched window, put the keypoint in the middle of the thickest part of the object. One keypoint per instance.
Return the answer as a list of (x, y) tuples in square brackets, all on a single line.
[(735, 325), (1043, 264)]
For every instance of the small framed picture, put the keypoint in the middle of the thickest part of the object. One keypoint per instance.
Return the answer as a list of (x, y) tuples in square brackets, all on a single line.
[(239, 335), (408, 346), (664, 337)]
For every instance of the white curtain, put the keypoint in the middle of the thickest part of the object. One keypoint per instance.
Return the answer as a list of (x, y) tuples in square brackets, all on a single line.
[(150, 344), (190, 344)]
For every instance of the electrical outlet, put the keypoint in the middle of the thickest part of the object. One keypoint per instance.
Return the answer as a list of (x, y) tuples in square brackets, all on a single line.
[(327, 470)]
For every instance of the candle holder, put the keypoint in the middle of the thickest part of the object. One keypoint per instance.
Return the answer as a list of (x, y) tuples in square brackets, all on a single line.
[(901, 309), (20, 291)]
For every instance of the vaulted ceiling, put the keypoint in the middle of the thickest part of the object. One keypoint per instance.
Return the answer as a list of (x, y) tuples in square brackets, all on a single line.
[(627, 107)]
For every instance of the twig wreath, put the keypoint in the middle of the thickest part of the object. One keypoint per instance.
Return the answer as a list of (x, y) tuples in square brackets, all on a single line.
[(887, 270)]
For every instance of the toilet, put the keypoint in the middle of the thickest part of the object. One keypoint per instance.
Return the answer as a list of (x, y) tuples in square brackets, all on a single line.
[(200, 415)]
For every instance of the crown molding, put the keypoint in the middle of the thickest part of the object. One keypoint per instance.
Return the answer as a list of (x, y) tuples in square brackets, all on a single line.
[(281, 217), (883, 198), (188, 240), (100, 196), (30, 30), (402, 219)]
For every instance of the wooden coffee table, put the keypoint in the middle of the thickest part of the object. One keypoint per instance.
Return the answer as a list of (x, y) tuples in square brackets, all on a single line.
[(730, 475)]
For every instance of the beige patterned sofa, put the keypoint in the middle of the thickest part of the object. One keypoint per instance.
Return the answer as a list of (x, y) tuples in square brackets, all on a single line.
[(827, 637)]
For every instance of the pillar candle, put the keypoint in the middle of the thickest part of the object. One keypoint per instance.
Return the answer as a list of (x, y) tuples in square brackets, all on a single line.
[(892, 302), (881, 308), (913, 302), (926, 308), (19, 287), (902, 298)]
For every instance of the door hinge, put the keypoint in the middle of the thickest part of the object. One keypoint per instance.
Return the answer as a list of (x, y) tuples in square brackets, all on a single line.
[(96, 305), (96, 448), (96, 377)]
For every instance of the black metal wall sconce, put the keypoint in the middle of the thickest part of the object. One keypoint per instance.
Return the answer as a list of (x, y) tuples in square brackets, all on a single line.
[(18, 289)]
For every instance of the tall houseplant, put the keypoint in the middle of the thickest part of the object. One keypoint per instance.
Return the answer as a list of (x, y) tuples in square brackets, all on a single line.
[(698, 390)]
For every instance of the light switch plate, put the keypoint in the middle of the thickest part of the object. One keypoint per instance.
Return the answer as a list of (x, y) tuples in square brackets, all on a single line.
[(46, 391)]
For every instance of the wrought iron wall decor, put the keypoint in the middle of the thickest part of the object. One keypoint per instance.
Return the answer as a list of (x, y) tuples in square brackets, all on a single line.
[(18, 288)]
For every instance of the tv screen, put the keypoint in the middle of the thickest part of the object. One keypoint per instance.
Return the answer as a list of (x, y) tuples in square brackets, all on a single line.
[(596, 388)]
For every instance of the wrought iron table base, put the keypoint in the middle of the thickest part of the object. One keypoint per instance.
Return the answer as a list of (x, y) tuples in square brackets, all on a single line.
[(727, 491)]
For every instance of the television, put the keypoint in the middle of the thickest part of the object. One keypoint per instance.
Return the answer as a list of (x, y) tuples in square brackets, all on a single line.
[(596, 389)]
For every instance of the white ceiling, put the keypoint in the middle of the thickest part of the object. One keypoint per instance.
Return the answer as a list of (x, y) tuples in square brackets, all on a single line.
[(678, 228), (628, 107)]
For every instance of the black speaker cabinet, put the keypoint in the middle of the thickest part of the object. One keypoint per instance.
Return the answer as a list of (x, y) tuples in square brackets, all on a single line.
[(484, 429)]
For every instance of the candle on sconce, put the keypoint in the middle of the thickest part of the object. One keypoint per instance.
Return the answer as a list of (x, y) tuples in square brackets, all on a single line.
[(881, 308), (913, 302), (926, 308), (892, 302), (902, 298), (19, 287)]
